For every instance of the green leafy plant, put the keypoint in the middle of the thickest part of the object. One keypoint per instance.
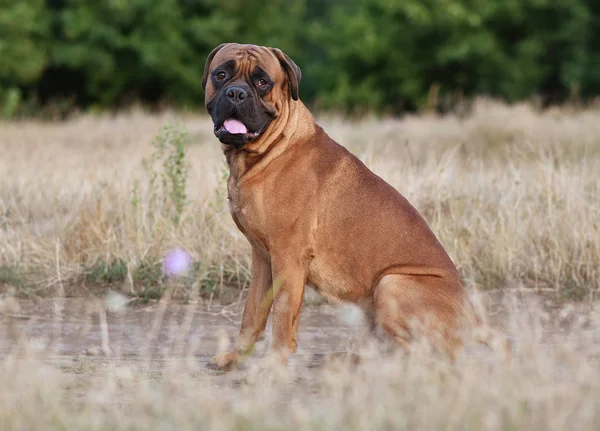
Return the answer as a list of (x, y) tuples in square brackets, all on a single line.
[(148, 273), (361, 55), (167, 172), (11, 101), (104, 273)]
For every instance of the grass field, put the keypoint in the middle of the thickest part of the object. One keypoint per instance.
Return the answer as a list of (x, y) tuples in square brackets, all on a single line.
[(96, 202), (513, 195), (552, 384)]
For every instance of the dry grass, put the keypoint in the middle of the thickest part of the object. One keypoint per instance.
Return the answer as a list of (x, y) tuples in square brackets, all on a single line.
[(513, 195), (552, 384)]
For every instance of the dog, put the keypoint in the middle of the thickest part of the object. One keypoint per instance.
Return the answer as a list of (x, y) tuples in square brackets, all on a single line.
[(315, 215)]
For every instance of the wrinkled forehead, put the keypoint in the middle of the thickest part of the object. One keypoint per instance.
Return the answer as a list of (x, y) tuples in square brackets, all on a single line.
[(248, 57)]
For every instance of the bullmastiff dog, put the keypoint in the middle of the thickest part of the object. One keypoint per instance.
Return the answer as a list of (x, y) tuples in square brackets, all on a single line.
[(315, 215)]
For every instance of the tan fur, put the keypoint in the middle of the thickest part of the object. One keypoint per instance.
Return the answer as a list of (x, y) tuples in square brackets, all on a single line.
[(315, 214)]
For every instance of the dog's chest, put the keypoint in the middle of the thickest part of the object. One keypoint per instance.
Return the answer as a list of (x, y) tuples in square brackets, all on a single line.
[(233, 197), (245, 214), (236, 205)]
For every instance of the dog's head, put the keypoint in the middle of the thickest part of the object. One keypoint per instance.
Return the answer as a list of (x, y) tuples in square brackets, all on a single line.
[(246, 87)]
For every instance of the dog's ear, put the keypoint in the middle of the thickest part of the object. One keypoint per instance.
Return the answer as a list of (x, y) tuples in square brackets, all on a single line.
[(291, 69), (209, 60)]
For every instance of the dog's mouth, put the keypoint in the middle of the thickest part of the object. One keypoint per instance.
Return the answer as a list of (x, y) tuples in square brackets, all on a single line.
[(235, 127)]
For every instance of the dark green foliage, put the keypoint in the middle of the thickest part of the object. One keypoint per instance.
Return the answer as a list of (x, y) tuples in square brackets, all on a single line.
[(24, 27), (356, 54), (148, 276), (389, 54), (149, 273), (11, 276), (575, 291), (103, 273)]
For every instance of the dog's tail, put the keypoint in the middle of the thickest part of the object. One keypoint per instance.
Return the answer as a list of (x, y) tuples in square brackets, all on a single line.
[(495, 340)]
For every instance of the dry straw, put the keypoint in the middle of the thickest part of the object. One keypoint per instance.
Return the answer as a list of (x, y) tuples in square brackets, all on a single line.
[(512, 193)]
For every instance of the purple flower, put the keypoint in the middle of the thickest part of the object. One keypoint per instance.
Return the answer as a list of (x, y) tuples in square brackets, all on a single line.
[(176, 262)]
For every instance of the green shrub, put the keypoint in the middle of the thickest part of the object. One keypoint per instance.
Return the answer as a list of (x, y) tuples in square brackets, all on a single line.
[(356, 55), (167, 172), (105, 273)]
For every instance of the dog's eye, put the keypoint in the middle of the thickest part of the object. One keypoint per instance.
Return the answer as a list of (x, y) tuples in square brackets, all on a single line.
[(220, 76), (262, 83)]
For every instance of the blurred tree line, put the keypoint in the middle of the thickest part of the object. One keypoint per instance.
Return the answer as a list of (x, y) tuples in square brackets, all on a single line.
[(384, 55)]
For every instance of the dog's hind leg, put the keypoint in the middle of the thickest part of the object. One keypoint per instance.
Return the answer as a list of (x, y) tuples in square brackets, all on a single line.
[(495, 340), (410, 307)]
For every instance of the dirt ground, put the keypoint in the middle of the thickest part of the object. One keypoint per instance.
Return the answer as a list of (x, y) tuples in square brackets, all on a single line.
[(113, 358), (79, 335)]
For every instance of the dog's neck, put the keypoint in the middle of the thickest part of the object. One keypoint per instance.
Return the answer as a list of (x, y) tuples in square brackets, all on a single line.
[(254, 157)]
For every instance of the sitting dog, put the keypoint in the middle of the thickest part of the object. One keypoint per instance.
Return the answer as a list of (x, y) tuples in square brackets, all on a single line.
[(315, 215)]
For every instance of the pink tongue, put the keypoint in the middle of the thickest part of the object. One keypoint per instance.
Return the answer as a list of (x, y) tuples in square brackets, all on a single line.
[(235, 126)]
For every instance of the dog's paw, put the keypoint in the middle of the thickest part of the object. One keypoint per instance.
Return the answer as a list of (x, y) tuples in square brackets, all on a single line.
[(223, 361), (258, 375), (269, 371)]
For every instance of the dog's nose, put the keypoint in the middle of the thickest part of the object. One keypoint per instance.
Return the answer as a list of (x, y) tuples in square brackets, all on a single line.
[(237, 94)]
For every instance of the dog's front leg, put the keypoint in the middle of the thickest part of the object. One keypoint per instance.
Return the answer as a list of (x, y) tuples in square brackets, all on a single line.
[(290, 280), (256, 314)]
